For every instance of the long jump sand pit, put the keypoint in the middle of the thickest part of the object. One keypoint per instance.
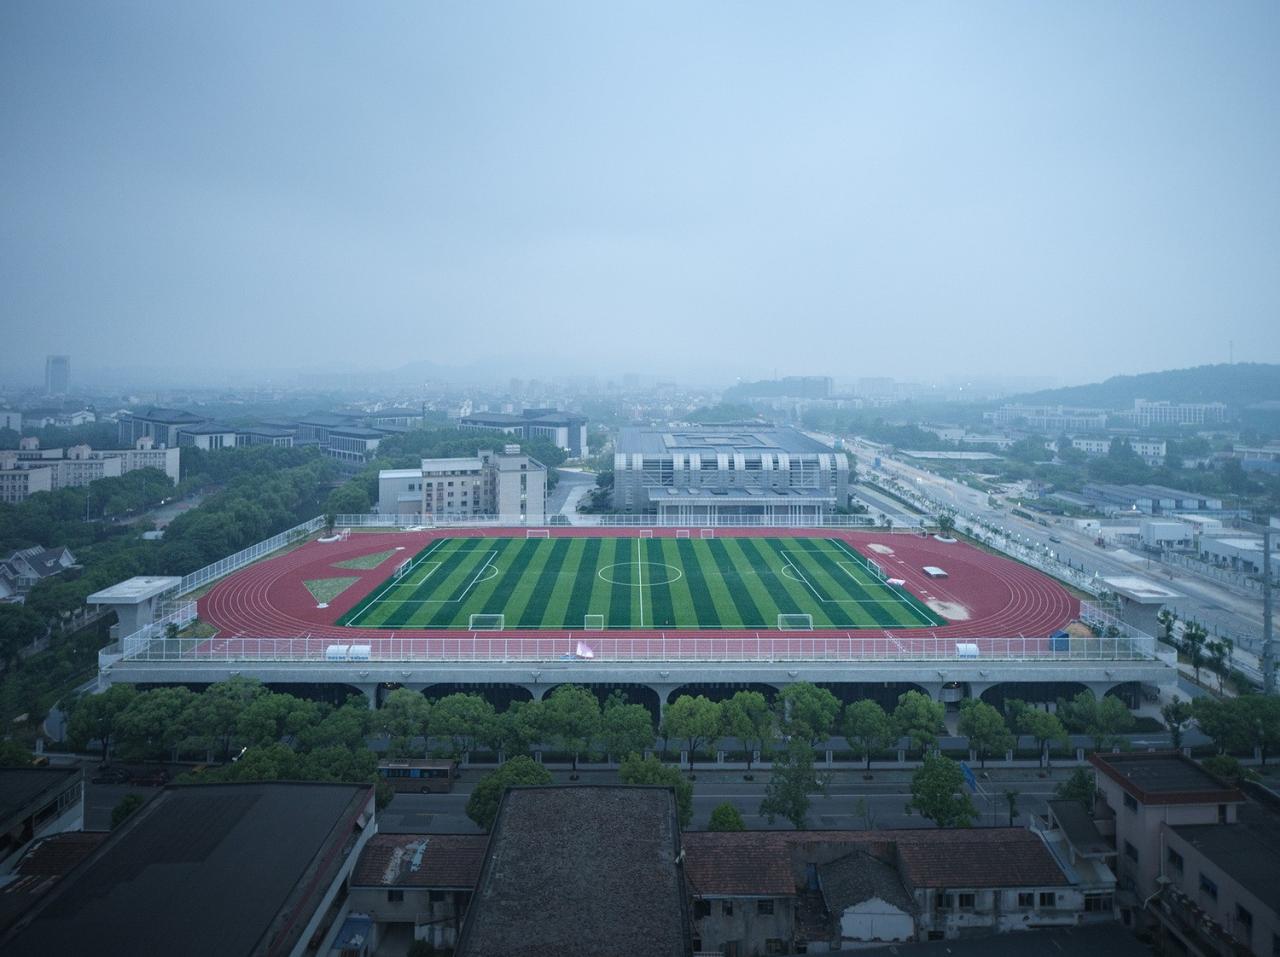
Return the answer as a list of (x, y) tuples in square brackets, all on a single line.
[(950, 610), (880, 549)]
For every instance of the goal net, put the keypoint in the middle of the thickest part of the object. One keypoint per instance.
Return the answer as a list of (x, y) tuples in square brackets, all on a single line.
[(537, 533), (403, 568), (682, 533), (795, 622), (593, 622), (344, 534), (487, 623), (706, 533), (646, 533)]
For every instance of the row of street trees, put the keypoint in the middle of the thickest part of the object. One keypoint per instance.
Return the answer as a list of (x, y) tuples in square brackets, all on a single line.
[(1203, 651)]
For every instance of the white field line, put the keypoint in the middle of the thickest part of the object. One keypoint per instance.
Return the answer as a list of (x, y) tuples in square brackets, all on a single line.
[(640, 579), (394, 582)]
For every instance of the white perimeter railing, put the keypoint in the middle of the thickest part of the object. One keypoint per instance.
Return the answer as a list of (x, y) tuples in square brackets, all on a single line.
[(375, 520), (674, 648), (247, 556)]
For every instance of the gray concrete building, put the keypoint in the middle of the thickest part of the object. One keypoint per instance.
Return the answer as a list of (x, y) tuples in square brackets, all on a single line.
[(508, 484), (565, 430), (736, 471)]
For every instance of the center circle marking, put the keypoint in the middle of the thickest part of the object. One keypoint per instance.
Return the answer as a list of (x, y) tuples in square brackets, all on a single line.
[(655, 573)]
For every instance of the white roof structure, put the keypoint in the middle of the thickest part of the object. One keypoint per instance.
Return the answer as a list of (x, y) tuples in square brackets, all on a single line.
[(134, 591), (1142, 590)]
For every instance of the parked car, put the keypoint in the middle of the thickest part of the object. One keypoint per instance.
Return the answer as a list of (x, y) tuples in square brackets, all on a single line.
[(111, 776)]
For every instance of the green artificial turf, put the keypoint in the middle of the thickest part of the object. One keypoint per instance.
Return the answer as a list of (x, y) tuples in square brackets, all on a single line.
[(638, 583)]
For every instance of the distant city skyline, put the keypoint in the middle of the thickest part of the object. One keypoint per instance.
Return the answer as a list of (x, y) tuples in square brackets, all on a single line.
[(719, 190)]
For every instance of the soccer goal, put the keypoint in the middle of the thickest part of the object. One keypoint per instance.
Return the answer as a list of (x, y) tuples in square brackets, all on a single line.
[(682, 533), (537, 533), (795, 622), (402, 569), (706, 533), (646, 533), (487, 623), (593, 622), (344, 534)]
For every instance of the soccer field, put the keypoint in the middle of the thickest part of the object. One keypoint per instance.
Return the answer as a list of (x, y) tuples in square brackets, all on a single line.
[(638, 583)]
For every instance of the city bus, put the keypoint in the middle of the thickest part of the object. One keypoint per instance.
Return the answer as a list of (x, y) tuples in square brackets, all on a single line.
[(426, 776)]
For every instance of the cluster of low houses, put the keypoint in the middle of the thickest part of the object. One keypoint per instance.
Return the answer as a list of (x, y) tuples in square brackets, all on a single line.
[(302, 868)]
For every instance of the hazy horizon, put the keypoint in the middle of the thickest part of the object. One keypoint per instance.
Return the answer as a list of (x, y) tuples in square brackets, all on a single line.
[(725, 190)]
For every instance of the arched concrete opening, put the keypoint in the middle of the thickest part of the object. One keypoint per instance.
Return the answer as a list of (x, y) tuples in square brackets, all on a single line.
[(1130, 692), (1040, 694), (497, 694), (884, 693), (721, 691)]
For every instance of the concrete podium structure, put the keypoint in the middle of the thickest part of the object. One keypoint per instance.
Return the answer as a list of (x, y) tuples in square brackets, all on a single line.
[(134, 601)]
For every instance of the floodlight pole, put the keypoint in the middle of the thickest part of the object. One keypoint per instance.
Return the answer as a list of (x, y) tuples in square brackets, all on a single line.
[(1268, 645)]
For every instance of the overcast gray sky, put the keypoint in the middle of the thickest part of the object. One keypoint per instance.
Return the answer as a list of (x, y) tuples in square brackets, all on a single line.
[(1072, 189)]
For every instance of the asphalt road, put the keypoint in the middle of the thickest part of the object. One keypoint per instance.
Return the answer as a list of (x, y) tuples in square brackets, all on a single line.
[(1208, 602), (885, 796)]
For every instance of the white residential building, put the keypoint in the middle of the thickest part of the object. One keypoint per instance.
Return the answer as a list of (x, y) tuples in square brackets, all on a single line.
[(507, 484)]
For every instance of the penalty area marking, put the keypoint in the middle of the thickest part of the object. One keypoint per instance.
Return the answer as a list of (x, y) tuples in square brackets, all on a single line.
[(798, 576)]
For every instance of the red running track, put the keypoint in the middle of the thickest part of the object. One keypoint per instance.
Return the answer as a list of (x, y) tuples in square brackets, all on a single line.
[(1004, 601)]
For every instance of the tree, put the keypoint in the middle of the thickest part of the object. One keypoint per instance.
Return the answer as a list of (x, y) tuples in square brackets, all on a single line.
[(1079, 787), (1223, 722), (1220, 652), (350, 498), (694, 720), (1226, 767), (128, 804), (1011, 799), (404, 716), (14, 755), (272, 717), (748, 717), (19, 626), (984, 726), (649, 770), (918, 717), (946, 524), (571, 717), (215, 714), (867, 727), (94, 717), (1177, 715), (516, 730), (156, 721), (807, 712), (1103, 720), (346, 726), (1045, 728), (625, 728), (1260, 718), (462, 718), (792, 781), (482, 806), (725, 817), (1193, 639), (1167, 619), (937, 793)]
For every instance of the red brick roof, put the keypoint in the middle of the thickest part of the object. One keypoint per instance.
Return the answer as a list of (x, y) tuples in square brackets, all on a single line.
[(738, 863), (421, 860), (759, 863), (979, 857)]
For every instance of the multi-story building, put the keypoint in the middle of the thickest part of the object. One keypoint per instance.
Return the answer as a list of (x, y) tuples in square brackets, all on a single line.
[(209, 436), (1052, 419), (1195, 854), (26, 567), (48, 470), (57, 375), (160, 425), (507, 484), (1146, 414), (11, 419), (748, 471), (1151, 451), (264, 435), (565, 430)]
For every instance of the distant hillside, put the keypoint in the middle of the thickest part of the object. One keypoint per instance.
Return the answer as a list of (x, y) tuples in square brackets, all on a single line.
[(1238, 385)]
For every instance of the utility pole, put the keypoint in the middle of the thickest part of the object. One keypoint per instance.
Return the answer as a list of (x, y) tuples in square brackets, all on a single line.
[(1268, 645)]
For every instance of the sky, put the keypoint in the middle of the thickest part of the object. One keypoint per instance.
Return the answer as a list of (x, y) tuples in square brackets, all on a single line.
[(1071, 190)]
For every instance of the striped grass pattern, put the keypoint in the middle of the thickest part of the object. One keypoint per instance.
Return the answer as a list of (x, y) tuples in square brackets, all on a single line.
[(638, 583)]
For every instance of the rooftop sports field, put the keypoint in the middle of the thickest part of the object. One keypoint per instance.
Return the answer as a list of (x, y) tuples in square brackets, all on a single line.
[(479, 583)]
